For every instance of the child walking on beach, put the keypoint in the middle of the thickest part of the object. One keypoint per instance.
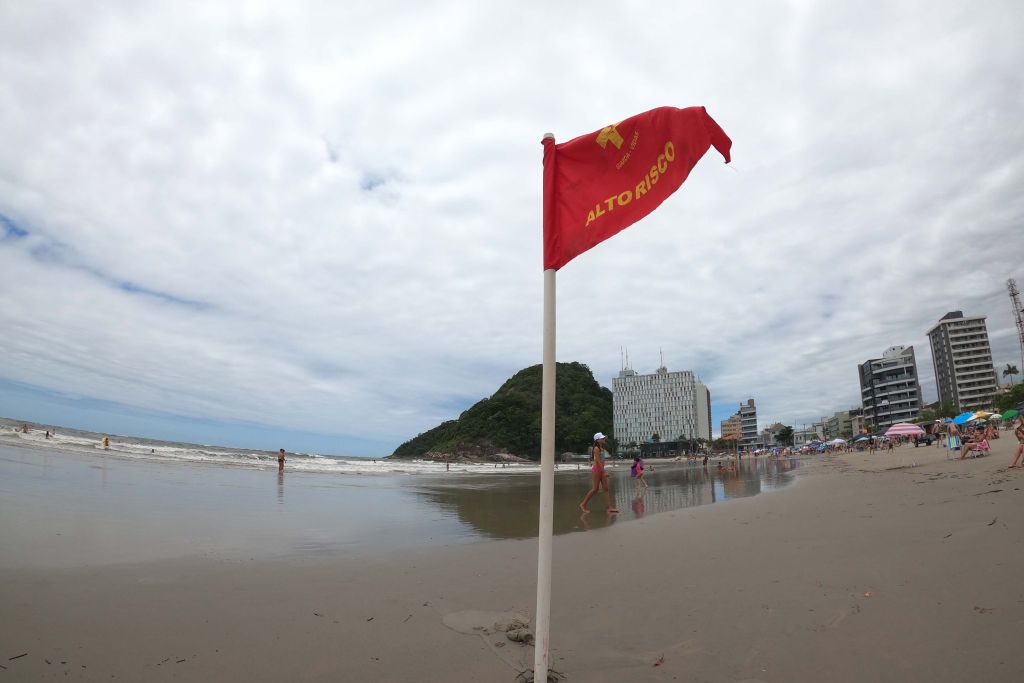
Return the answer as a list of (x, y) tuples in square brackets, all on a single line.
[(637, 471), (598, 475)]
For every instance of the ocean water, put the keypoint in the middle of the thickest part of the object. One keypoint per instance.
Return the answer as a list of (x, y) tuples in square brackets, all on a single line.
[(66, 501), (137, 448)]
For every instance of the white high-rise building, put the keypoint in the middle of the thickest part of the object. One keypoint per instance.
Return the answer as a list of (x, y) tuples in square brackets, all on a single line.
[(673, 405), (964, 374), (748, 424), (889, 389)]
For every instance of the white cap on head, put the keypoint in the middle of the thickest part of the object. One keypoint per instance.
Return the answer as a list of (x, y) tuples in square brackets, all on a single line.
[(599, 436)]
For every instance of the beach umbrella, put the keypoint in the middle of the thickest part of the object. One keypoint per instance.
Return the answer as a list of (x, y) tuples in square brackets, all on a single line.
[(1010, 414), (904, 429), (837, 442), (962, 418), (981, 415), (863, 438)]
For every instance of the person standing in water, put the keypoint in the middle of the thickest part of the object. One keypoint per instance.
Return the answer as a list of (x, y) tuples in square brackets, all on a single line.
[(598, 475), (637, 470), (280, 460)]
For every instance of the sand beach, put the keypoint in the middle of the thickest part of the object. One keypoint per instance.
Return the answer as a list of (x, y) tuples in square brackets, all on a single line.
[(901, 566)]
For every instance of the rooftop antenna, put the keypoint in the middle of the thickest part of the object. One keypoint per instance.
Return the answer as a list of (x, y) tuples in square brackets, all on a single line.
[(1018, 314)]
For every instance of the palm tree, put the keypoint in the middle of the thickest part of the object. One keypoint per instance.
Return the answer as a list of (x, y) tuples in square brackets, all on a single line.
[(1010, 370)]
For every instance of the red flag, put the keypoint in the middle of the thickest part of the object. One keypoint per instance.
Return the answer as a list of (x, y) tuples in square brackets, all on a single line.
[(599, 184)]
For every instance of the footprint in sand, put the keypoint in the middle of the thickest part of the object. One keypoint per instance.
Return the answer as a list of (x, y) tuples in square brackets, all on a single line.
[(841, 615), (489, 624)]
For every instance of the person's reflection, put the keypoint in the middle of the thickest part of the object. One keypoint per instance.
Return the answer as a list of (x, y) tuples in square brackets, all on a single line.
[(638, 504), (280, 487), (591, 521)]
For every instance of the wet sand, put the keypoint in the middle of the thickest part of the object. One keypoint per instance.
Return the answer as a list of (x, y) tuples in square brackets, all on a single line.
[(888, 567)]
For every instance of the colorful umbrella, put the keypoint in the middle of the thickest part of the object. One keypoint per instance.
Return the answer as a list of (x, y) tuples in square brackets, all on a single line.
[(962, 418), (1010, 414), (904, 429)]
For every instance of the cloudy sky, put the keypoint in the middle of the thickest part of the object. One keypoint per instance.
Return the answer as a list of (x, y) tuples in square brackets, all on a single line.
[(317, 225)]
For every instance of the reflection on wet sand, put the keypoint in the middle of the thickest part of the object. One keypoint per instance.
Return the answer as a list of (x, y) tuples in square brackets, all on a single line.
[(506, 507)]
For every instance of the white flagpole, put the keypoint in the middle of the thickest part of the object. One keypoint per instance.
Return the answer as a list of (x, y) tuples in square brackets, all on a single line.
[(542, 646)]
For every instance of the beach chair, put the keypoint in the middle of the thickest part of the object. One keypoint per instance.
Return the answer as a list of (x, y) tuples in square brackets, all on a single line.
[(952, 445), (979, 449)]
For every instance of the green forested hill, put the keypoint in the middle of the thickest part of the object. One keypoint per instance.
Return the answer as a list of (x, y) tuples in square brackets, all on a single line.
[(509, 421)]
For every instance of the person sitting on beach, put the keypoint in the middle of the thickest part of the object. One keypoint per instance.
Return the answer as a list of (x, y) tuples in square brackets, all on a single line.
[(976, 442), (991, 432), (637, 471), (1019, 455), (598, 475)]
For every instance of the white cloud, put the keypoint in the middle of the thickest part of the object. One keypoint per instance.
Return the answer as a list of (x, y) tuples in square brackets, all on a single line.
[(353, 198)]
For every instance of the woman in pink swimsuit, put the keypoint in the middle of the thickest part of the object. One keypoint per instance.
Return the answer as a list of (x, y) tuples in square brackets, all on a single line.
[(598, 475), (1019, 433)]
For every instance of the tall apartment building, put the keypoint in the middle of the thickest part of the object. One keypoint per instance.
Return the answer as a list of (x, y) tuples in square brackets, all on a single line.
[(703, 412), (672, 405), (889, 389), (964, 374), (748, 424), (731, 426)]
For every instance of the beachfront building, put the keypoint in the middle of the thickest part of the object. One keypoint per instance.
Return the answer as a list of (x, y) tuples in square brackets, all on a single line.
[(889, 389), (857, 425), (964, 374), (840, 424), (768, 438), (672, 405), (748, 424), (731, 427), (806, 435), (703, 411)]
